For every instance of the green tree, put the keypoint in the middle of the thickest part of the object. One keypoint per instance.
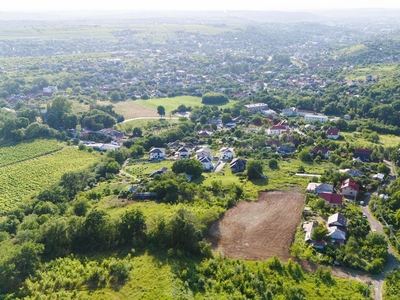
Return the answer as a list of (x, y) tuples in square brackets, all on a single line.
[(161, 110), (115, 96), (132, 228), (188, 166), (320, 233), (305, 155), (60, 105), (254, 169)]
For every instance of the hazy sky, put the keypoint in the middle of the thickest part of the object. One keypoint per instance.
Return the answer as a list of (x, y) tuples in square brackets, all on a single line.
[(45, 5)]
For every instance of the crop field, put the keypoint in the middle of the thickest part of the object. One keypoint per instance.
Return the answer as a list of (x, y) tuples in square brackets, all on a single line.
[(18, 181), (260, 229), (14, 153)]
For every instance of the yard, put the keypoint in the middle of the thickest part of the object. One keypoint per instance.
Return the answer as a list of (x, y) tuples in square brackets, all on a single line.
[(258, 230)]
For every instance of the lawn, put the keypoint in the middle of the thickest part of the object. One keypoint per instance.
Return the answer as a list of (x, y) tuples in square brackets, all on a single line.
[(386, 140), (382, 71), (173, 103)]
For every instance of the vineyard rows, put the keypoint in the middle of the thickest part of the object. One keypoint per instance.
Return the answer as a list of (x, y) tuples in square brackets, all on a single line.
[(20, 180), (11, 154)]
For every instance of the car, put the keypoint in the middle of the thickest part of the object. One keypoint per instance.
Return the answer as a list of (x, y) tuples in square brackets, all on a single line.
[(361, 202), (364, 215)]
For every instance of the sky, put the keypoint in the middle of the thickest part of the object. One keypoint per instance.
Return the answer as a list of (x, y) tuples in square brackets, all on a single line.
[(129, 5)]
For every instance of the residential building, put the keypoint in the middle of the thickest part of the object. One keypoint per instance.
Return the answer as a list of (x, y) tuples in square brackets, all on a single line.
[(157, 153), (312, 118), (333, 134), (363, 154), (338, 235), (206, 162), (324, 151), (238, 165), (333, 200), (226, 153), (378, 176), (182, 153), (337, 220), (159, 172), (277, 130), (256, 107), (349, 187), (204, 152)]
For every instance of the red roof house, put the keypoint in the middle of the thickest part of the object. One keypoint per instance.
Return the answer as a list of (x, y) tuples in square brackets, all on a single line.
[(349, 187), (334, 200), (333, 133)]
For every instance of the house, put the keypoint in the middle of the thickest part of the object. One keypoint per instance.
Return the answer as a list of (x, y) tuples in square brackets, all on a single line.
[(238, 165), (363, 154), (309, 127), (182, 153), (351, 172), (349, 187), (311, 187), (324, 188), (333, 200), (309, 228), (338, 235), (333, 134), (337, 220), (277, 130), (312, 118), (286, 149), (205, 133), (256, 107), (159, 172), (48, 91), (378, 176), (206, 162), (157, 153), (324, 151), (204, 152), (288, 112), (226, 153)]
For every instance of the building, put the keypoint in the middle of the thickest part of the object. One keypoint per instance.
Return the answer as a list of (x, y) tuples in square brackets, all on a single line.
[(333, 200), (182, 153), (313, 118), (256, 107), (333, 134), (318, 188), (349, 187), (226, 153), (363, 154), (324, 151), (337, 220), (204, 152), (157, 153), (378, 176), (48, 91), (206, 162), (158, 172), (277, 130), (238, 165), (337, 234)]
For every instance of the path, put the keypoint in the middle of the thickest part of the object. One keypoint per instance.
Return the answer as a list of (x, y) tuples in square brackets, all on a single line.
[(220, 166), (147, 118), (122, 172)]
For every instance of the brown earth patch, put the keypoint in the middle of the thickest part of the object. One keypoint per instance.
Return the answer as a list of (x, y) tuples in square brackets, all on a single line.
[(260, 229)]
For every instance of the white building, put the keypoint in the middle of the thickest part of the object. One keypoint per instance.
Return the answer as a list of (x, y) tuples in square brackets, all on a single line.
[(204, 152), (313, 118), (277, 130), (157, 153), (226, 153), (256, 107)]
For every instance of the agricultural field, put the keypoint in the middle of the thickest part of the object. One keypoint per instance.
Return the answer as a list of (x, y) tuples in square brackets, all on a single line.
[(17, 152), (18, 181), (260, 229), (133, 109)]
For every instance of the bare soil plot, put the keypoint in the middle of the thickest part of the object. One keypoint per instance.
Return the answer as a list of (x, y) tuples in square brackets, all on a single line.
[(132, 109), (260, 229)]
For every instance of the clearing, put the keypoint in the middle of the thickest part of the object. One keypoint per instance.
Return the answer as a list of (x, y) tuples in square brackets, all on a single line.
[(260, 229)]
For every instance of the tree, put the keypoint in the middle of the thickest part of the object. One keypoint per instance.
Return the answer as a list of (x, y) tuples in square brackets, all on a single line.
[(254, 169), (161, 110), (383, 168), (60, 105), (273, 164), (132, 228), (226, 118), (115, 96), (214, 98), (188, 166), (319, 233), (305, 155)]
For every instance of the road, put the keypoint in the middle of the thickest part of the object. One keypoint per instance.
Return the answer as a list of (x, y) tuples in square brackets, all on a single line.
[(377, 226), (147, 118)]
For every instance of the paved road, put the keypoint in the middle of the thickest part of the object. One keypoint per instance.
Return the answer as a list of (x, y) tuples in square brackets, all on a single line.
[(147, 118)]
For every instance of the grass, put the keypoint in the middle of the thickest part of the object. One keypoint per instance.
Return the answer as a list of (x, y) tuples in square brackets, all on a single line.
[(144, 169), (280, 179), (386, 140), (173, 103), (382, 71)]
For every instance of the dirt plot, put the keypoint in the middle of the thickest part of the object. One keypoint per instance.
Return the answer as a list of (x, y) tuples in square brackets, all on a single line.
[(260, 229)]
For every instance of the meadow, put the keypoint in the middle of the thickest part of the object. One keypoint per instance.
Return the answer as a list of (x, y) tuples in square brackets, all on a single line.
[(356, 138), (19, 180)]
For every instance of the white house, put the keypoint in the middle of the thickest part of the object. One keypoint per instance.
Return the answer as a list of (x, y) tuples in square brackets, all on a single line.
[(206, 162), (313, 118), (226, 153), (204, 152), (333, 134), (157, 153), (256, 107), (349, 187), (277, 130), (182, 153)]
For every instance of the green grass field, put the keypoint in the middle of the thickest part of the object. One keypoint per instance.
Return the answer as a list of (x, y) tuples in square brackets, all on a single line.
[(173, 103), (386, 140), (19, 180), (382, 71)]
